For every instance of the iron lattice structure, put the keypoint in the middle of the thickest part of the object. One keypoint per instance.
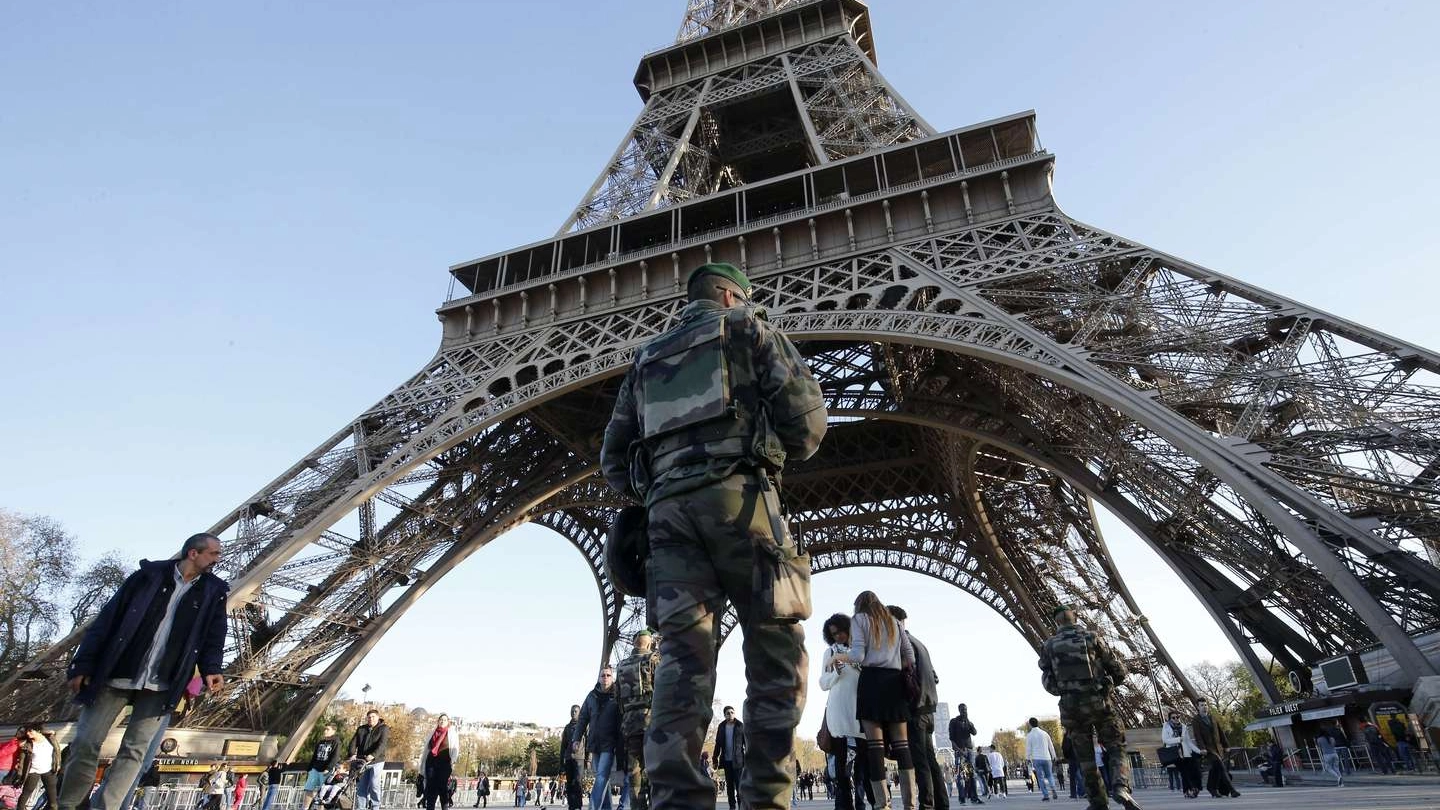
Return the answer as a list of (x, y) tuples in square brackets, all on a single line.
[(994, 368)]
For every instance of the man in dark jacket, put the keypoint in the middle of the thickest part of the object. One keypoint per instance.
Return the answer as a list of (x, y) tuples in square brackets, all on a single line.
[(730, 752), (599, 726), (1210, 737), (930, 792), (368, 745), (141, 650), (962, 741), (574, 796)]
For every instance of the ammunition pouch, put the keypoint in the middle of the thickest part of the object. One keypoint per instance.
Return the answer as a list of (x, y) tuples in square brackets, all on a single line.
[(781, 579)]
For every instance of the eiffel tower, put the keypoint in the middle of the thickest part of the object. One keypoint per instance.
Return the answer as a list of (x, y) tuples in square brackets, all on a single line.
[(994, 369)]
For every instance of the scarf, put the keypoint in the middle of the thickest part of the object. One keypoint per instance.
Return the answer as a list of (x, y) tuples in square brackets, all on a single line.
[(437, 740)]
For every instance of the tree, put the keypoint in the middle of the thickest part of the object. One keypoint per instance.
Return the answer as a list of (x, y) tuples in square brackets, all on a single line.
[(1051, 726), (1234, 697), (547, 757), (95, 585), (1225, 687), (37, 557), (810, 756), (1010, 745)]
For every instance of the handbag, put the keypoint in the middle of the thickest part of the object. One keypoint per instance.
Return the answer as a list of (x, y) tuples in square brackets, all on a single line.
[(912, 685), (823, 739), (1169, 754)]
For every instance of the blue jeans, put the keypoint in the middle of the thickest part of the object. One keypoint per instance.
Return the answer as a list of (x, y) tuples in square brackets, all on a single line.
[(367, 787), (270, 796), (1045, 773), (604, 762), (147, 720)]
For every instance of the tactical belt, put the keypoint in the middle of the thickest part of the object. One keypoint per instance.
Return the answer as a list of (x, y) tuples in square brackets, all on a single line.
[(720, 438)]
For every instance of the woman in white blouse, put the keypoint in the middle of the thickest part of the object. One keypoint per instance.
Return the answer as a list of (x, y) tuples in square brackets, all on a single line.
[(1178, 734), (39, 769), (840, 679)]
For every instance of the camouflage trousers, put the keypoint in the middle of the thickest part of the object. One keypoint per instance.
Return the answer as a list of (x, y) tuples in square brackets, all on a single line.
[(1087, 716), (703, 547), (635, 764)]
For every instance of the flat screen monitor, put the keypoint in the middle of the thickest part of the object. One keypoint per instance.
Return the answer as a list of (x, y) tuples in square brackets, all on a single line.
[(1343, 672)]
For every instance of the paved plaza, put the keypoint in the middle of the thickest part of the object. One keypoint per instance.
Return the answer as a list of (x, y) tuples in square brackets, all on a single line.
[(1358, 797)]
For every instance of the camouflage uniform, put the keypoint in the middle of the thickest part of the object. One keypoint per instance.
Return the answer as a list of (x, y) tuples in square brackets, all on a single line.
[(1080, 667), (709, 407), (635, 684)]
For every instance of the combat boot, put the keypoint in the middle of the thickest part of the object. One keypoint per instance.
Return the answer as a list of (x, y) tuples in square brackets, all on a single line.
[(1126, 800)]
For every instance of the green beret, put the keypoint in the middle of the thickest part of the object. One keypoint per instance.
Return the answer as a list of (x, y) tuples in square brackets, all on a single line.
[(1061, 608), (643, 632), (722, 269)]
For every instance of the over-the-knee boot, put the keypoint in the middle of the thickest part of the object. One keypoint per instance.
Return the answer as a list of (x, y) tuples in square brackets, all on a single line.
[(882, 792), (907, 788)]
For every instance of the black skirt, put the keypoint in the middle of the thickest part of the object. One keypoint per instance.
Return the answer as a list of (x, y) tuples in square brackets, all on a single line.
[(880, 697)]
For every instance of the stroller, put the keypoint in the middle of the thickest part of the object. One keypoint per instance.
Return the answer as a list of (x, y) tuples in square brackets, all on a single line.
[(339, 790)]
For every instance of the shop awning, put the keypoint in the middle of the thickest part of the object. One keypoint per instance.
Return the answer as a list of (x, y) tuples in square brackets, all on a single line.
[(1271, 722), (1321, 714)]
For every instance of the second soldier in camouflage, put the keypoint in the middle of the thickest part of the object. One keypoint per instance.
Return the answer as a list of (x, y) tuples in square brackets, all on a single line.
[(1080, 667), (635, 686)]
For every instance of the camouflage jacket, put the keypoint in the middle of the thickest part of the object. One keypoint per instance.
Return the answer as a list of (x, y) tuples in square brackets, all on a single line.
[(635, 686), (1077, 660), (768, 408)]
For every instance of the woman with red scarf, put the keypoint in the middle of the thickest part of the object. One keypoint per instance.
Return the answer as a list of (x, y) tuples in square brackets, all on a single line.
[(441, 751)]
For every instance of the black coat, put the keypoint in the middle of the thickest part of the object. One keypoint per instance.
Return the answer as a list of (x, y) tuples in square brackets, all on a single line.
[(599, 723), (718, 758), (925, 671), (962, 732), (370, 741), (567, 740), (199, 629)]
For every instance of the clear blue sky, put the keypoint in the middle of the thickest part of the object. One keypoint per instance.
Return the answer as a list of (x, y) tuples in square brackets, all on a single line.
[(224, 229)]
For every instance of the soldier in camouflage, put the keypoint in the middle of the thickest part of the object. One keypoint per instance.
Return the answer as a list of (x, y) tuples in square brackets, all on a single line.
[(703, 425), (1080, 667), (636, 686)]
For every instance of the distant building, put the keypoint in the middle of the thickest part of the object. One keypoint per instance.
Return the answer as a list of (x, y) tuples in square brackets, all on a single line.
[(944, 751)]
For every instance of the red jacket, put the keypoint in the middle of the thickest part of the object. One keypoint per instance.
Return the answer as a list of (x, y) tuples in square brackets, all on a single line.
[(7, 753)]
